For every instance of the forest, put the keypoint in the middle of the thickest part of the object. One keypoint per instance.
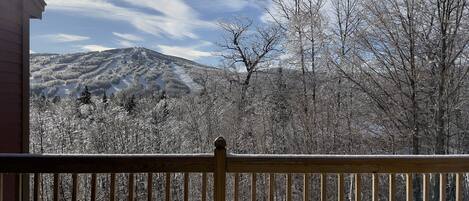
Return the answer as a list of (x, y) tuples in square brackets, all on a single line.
[(339, 77)]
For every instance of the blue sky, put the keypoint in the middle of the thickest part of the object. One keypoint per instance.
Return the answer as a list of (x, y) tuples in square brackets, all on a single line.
[(185, 28)]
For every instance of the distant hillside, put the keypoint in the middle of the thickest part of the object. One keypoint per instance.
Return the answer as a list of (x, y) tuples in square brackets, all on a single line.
[(112, 71)]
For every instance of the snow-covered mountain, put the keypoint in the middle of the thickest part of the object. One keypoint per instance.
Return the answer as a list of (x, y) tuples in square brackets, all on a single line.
[(112, 71)]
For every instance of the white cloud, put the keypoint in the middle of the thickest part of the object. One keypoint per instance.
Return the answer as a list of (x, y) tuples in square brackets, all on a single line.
[(126, 43), (175, 9), (224, 6), (128, 37), (31, 52), (61, 37), (178, 22), (95, 48), (188, 52)]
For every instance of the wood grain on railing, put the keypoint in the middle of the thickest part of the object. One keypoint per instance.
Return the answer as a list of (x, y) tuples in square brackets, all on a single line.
[(131, 185), (409, 187), (112, 190), (221, 164), (443, 180), (306, 189), (459, 185), (426, 187), (37, 181), (375, 187), (323, 187), (236, 187), (204, 186), (115, 163), (93, 187), (168, 186), (347, 163), (340, 187), (75, 187), (150, 186), (289, 187), (271, 187), (358, 187), (392, 187), (186, 186), (253, 186)]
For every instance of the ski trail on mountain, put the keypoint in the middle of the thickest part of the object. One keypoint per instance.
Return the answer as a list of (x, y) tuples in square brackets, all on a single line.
[(183, 76)]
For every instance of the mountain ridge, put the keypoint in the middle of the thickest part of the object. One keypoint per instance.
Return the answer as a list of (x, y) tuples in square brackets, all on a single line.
[(114, 70)]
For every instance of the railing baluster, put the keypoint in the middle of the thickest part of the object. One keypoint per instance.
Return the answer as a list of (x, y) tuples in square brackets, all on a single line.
[(443, 181), (340, 187), (131, 187), (112, 190), (168, 187), (271, 187), (426, 187), (375, 187), (358, 187), (1, 187), (236, 187), (150, 186), (204, 186), (186, 186), (56, 187), (410, 187), (392, 187), (306, 179), (74, 187), (253, 186), (37, 181), (459, 179), (93, 187), (289, 187), (323, 187)]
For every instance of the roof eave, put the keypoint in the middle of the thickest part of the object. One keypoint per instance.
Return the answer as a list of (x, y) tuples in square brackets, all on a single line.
[(34, 8)]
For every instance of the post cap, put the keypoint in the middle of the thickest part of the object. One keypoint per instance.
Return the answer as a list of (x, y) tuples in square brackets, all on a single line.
[(220, 143)]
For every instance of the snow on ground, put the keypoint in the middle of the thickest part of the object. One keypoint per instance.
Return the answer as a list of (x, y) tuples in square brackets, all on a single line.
[(66, 89), (183, 76), (123, 84)]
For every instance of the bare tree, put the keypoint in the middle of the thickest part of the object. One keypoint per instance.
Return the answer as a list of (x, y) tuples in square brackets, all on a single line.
[(248, 46)]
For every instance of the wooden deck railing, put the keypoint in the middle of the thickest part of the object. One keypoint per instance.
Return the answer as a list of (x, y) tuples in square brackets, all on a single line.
[(221, 164)]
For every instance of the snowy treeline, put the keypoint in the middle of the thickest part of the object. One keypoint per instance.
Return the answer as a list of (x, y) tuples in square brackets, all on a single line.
[(367, 77)]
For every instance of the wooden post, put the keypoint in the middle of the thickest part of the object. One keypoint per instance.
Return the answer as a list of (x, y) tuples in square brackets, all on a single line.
[(220, 169)]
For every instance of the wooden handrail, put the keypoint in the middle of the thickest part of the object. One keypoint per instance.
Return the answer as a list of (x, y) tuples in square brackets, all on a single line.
[(219, 163), (105, 163), (137, 163), (347, 163)]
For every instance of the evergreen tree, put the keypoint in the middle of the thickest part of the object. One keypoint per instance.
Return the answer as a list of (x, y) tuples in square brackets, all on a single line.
[(130, 104), (104, 100), (85, 97)]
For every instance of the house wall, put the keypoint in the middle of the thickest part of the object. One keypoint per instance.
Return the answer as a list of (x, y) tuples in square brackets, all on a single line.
[(14, 86)]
